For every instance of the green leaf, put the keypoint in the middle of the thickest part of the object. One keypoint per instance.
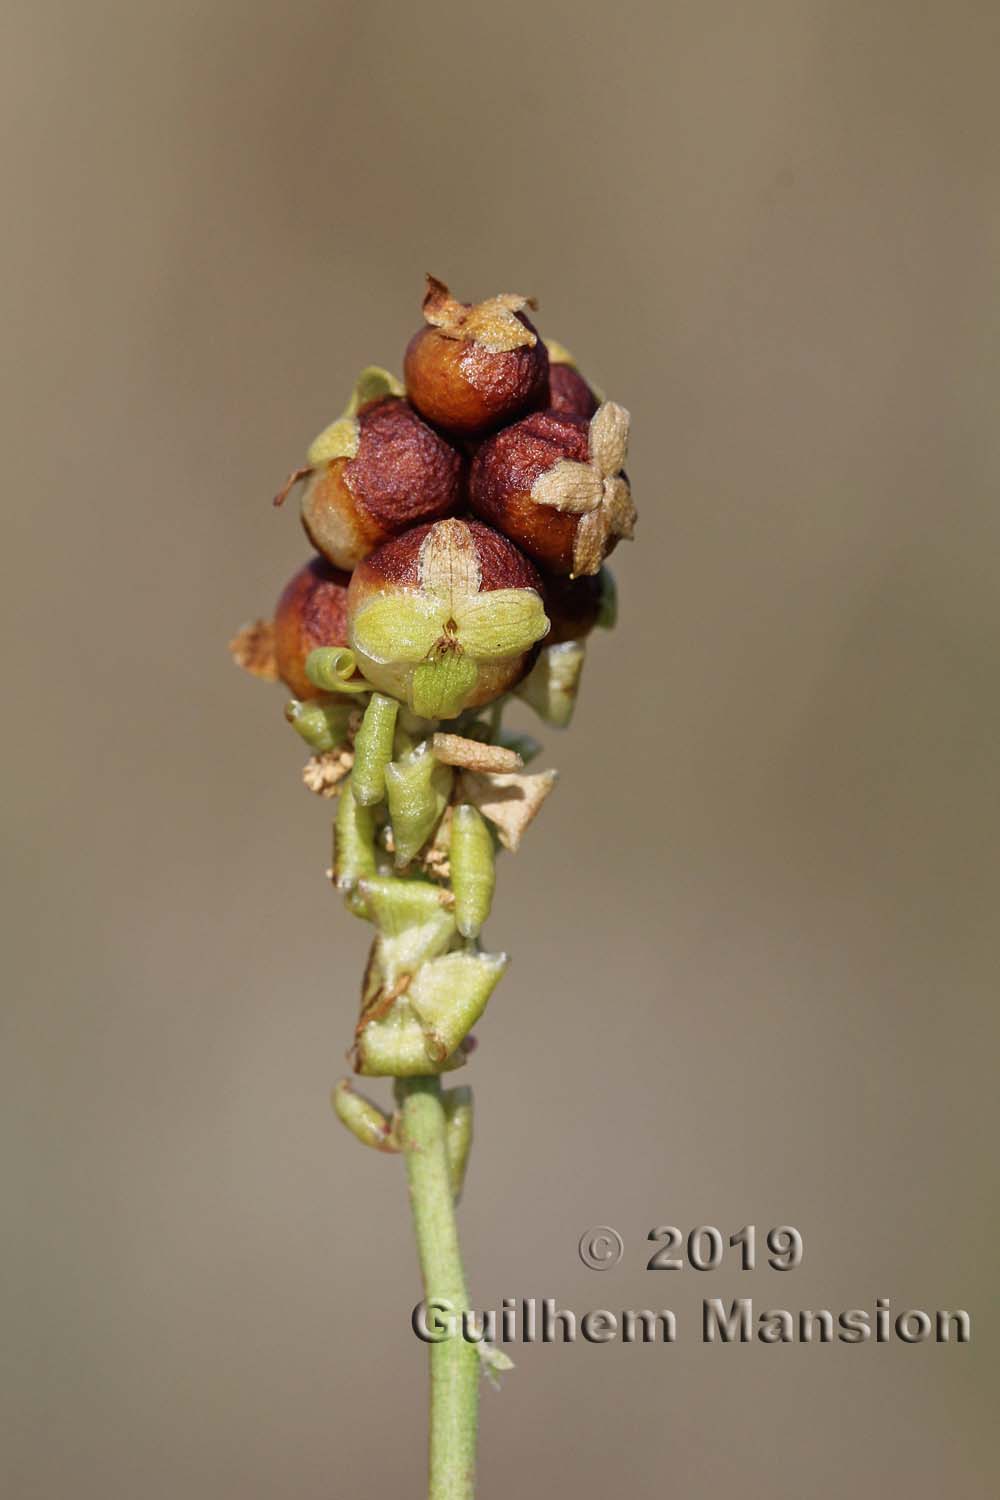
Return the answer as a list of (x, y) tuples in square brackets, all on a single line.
[(503, 623), (342, 437), (449, 995)]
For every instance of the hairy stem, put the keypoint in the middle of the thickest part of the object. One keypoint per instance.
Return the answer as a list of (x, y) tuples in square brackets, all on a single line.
[(454, 1361)]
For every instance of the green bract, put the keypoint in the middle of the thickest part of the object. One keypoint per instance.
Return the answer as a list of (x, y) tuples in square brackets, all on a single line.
[(341, 438)]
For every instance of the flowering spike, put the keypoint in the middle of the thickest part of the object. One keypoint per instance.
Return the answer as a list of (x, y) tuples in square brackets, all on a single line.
[(462, 525)]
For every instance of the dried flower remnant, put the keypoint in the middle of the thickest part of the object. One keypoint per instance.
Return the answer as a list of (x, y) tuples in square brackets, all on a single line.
[(446, 617), (252, 648), (511, 801), (474, 755), (554, 485), (474, 365)]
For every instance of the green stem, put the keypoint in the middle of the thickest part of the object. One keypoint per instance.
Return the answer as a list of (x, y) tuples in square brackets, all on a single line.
[(454, 1362)]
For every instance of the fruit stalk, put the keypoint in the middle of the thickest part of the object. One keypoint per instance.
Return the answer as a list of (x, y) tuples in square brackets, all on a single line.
[(454, 1384)]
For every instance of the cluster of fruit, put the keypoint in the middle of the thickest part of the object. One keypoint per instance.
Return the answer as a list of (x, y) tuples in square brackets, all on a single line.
[(461, 523), (461, 520)]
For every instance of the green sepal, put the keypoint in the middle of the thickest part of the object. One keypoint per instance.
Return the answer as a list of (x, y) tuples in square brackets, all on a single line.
[(500, 623), (449, 995), (403, 626), (473, 871), (341, 438), (373, 749), (553, 682), (417, 788), (440, 687), (323, 724)]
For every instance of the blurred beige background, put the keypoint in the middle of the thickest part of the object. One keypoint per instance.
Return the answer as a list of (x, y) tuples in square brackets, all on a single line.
[(755, 931)]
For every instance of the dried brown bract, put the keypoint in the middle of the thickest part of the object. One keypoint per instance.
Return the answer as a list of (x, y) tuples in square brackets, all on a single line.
[(252, 648)]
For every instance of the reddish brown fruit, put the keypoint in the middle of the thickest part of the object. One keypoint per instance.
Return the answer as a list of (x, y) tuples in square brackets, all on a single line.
[(573, 606), (311, 612), (569, 393), (553, 483), (474, 365), (401, 474)]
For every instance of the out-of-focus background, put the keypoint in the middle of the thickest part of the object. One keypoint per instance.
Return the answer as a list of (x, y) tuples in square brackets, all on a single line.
[(754, 932)]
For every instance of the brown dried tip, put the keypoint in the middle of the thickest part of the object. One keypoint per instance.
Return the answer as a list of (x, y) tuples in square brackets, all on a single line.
[(294, 478), (475, 365), (311, 612), (252, 648)]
